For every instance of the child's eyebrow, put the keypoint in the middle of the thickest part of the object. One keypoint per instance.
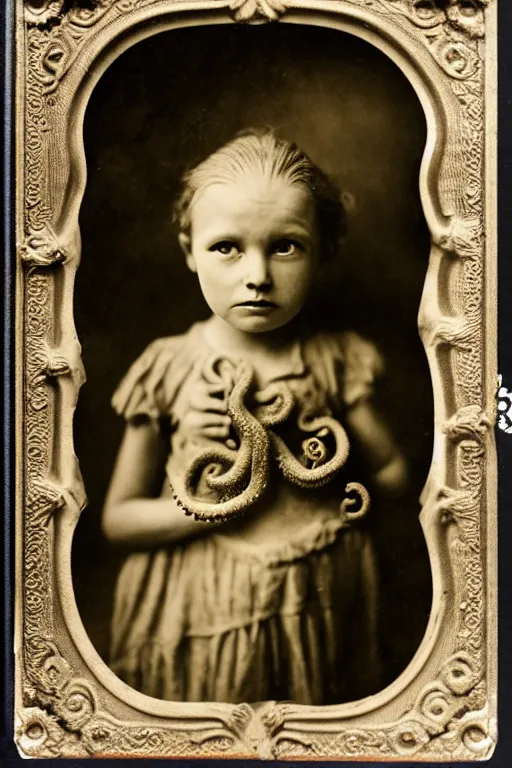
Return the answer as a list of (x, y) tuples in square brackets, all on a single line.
[(291, 231), (276, 233), (292, 227)]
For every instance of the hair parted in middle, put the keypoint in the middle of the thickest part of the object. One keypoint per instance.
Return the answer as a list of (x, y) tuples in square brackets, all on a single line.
[(261, 150)]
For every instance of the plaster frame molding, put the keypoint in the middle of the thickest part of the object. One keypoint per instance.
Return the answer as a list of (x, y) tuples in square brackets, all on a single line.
[(443, 706)]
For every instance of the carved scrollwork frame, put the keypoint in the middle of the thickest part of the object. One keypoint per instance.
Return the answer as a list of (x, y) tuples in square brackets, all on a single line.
[(443, 706)]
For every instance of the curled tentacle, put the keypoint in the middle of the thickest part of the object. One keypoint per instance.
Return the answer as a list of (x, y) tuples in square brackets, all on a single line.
[(220, 468), (346, 504), (315, 450), (239, 477), (221, 370), (275, 403), (235, 463), (226, 508)]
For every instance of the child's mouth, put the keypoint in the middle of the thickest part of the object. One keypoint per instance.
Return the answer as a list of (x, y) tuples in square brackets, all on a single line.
[(258, 304)]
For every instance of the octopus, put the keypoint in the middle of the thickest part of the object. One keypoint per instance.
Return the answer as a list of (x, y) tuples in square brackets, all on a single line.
[(237, 472)]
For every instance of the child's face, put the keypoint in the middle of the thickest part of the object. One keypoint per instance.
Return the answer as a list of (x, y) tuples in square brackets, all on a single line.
[(254, 246)]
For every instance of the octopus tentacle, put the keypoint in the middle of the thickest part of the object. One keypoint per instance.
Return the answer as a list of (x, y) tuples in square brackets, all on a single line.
[(246, 470), (238, 462), (314, 449), (275, 404), (239, 477), (346, 504)]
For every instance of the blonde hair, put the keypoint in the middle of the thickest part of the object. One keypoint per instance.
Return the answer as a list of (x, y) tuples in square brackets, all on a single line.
[(273, 157)]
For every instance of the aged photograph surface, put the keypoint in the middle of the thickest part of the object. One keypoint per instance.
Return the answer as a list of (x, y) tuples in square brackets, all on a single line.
[(256, 379), (256, 426)]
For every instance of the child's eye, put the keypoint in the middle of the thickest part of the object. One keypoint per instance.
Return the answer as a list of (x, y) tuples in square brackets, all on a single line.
[(285, 248), (225, 248)]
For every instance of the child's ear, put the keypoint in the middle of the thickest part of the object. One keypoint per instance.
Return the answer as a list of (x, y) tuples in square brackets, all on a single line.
[(186, 246)]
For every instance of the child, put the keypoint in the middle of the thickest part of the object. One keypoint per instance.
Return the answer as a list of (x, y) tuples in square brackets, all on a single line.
[(266, 588)]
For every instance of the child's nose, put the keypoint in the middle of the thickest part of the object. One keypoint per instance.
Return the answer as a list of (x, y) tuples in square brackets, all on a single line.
[(257, 275)]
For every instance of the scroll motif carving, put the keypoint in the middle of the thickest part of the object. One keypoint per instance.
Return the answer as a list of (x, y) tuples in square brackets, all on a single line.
[(61, 715), (439, 711), (451, 27), (40, 734), (87, 13), (467, 551), (463, 16)]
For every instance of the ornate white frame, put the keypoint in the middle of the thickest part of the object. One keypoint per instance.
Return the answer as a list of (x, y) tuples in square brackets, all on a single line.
[(443, 706)]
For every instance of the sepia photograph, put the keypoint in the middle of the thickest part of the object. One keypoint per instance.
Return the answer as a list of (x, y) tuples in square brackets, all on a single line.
[(256, 426), (256, 318)]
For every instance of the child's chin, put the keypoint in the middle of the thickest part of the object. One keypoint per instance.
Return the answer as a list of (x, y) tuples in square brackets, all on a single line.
[(259, 324)]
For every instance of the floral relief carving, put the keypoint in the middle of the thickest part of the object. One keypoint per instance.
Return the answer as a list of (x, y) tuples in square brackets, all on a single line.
[(257, 11), (451, 28), (466, 16), (60, 714), (41, 14)]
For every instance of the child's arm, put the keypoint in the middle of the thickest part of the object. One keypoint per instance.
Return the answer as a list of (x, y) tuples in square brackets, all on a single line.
[(377, 444), (134, 513)]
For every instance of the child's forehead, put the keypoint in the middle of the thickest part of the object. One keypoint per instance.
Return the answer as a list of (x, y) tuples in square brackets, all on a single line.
[(246, 192)]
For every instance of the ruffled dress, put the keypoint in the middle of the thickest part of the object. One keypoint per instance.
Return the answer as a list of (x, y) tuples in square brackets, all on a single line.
[(217, 618)]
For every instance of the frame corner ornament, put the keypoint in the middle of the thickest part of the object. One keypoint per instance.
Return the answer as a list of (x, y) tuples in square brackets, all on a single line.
[(45, 13)]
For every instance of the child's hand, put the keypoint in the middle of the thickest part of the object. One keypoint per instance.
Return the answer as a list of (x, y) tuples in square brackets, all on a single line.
[(207, 415)]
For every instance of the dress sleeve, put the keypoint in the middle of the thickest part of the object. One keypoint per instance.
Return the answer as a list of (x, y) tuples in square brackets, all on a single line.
[(362, 365), (151, 383)]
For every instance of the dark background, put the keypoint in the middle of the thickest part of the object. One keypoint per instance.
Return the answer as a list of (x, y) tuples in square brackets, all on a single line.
[(163, 106)]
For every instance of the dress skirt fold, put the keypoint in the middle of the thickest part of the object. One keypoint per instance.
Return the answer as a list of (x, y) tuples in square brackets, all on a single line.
[(218, 619)]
